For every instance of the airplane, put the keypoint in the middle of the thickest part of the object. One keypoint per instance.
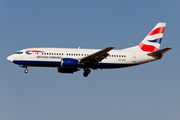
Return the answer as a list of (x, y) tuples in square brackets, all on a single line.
[(70, 60)]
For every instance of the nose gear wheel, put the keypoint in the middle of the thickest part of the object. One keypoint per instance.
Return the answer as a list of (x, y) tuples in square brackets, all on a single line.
[(26, 70)]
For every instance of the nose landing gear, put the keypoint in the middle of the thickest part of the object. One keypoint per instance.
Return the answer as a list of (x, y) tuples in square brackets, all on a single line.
[(26, 70), (24, 66), (87, 71)]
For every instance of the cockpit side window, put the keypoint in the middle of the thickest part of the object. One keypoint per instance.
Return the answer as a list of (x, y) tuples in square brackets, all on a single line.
[(19, 53)]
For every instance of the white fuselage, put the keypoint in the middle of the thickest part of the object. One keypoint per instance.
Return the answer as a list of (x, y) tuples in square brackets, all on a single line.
[(52, 57)]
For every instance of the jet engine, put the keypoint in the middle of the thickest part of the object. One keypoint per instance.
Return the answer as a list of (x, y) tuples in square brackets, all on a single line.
[(69, 63)]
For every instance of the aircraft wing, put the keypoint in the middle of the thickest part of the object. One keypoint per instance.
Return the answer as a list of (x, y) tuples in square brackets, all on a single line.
[(97, 57)]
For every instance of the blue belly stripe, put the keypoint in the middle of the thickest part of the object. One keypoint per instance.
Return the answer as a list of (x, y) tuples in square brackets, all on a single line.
[(38, 63), (58, 64)]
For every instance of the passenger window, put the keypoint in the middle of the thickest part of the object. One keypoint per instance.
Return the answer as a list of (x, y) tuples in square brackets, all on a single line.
[(54, 53), (49, 53), (44, 53)]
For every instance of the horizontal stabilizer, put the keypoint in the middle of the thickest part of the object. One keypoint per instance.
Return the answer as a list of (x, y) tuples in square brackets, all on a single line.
[(162, 51)]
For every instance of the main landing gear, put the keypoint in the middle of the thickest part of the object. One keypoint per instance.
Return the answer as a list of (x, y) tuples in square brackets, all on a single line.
[(86, 72)]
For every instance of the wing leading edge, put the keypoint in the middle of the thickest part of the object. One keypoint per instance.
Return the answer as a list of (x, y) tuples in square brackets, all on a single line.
[(97, 57)]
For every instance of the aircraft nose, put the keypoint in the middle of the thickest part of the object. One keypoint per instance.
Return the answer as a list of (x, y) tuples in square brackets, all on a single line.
[(10, 58)]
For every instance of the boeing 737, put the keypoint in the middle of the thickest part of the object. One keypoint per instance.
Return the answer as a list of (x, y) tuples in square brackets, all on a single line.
[(70, 60)]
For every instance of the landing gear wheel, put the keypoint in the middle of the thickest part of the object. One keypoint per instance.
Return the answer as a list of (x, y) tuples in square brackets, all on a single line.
[(26, 70), (86, 72)]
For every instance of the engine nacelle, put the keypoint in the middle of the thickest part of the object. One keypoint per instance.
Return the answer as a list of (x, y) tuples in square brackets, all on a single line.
[(69, 63)]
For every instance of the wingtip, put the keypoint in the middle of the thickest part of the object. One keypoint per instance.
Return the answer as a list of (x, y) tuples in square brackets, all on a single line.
[(169, 48), (111, 47)]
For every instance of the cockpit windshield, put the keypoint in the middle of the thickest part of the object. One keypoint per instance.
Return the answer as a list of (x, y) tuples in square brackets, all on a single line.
[(19, 52)]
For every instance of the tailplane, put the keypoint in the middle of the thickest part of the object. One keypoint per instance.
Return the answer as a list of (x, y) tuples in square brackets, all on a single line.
[(162, 51), (159, 53)]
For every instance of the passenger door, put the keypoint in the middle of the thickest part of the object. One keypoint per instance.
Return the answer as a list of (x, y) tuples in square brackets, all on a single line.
[(134, 57)]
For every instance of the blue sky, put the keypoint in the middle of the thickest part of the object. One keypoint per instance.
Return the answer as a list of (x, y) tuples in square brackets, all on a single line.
[(145, 92)]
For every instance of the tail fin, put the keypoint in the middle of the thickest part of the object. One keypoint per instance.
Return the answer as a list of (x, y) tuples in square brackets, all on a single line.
[(152, 41)]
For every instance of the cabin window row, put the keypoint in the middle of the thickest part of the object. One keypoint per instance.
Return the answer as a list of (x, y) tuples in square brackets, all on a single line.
[(72, 54), (117, 55), (51, 53)]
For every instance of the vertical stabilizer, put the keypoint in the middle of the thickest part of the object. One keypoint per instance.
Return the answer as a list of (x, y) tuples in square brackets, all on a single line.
[(153, 40)]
